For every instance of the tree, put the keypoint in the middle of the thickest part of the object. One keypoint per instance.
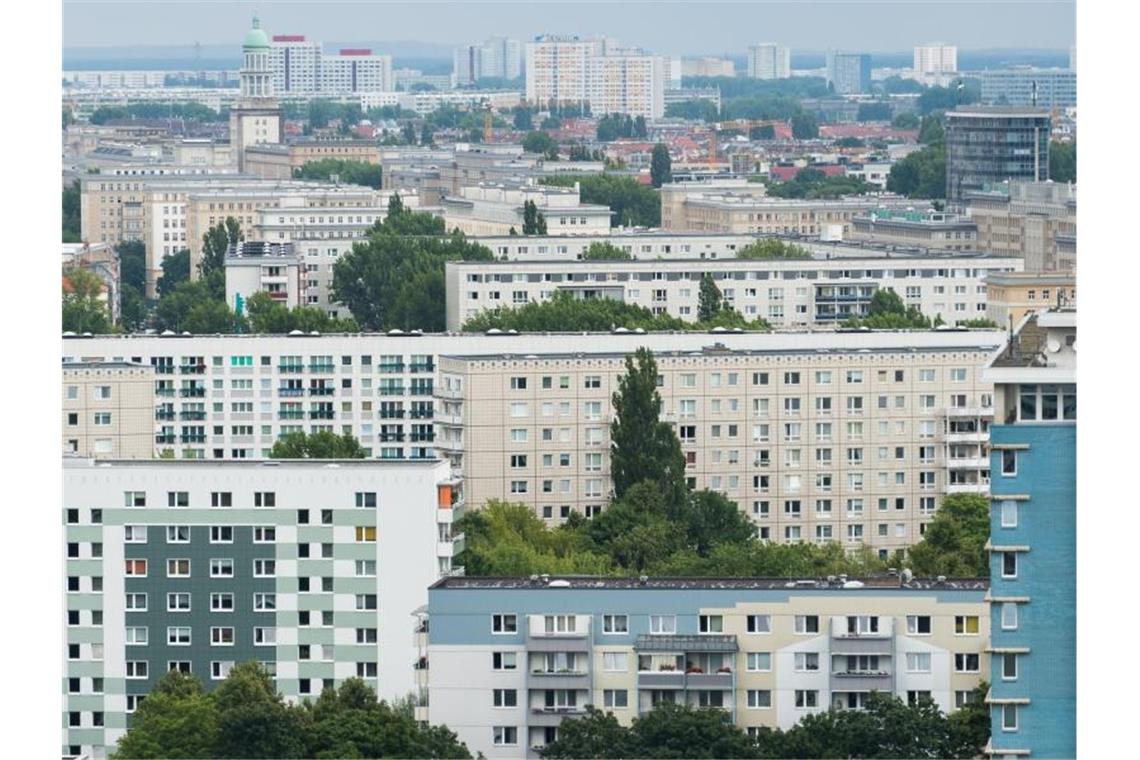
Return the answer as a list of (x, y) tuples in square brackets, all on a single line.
[(508, 539), (133, 308), (921, 174), (427, 138), (661, 166), (534, 223), (643, 447), (640, 128), (540, 142), (879, 111), (346, 171), (1063, 161), (630, 202), (253, 719), (84, 307), (215, 242), (931, 130), (194, 307), (319, 445), (709, 300), (693, 110), (970, 725), (268, 316), (682, 731), (885, 301), (175, 270), (955, 540), (596, 734), (176, 719), (805, 126), (71, 221), (523, 118), (604, 251), (773, 248), (905, 120), (713, 519), (132, 263)]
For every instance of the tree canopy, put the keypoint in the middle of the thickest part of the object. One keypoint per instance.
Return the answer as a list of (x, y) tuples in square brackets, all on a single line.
[(615, 125), (72, 229), (605, 251), (1063, 161), (630, 202), (267, 316), (773, 248), (955, 540), (661, 166), (813, 183), (921, 174), (319, 445), (540, 142), (347, 172), (888, 312), (84, 309)]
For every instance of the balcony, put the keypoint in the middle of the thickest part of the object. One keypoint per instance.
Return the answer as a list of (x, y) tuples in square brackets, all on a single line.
[(428, 367), (981, 487), (320, 391), (192, 415), (322, 368), (970, 411), (391, 414), (164, 369), (708, 681), (971, 437), (391, 437), (390, 368), (286, 391), (392, 390), (661, 679), (193, 438), (164, 438), (861, 680), (165, 392), (192, 369), (321, 415), (968, 463), (297, 368), (164, 414), (840, 629), (421, 414), (291, 414), (552, 716), (558, 679), (192, 392), (422, 437)]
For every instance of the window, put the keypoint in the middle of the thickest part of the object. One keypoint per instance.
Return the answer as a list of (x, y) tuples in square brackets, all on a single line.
[(178, 602), (710, 623), (1008, 463), (759, 662), (1009, 514), (365, 602), (221, 499), (918, 662), (1009, 667), (615, 698), (264, 499), (504, 624), (663, 624), (966, 662), (966, 625), (136, 568), (759, 699), (504, 660), (221, 534), (365, 533), (1009, 564), (615, 662), (264, 568), (137, 669), (264, 636), (135, 603), (220, 669), (221, 636), (177, 568), (221, 568), (263, 602), (918, 625), (806, 662), (1009, 616), (102, 419), (759, 623), (505, 736), (806, 624), (134, 498), (178, 636), (615, 624), (504, 698), (807, 698), (221, 601), (265, 534), (1009, 717)]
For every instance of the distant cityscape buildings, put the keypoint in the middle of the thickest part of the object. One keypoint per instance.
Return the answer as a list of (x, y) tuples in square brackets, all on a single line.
[(568, 70), (498, 57), (989, 145), (849, 73), (1026, 86), (301, 67), (935, 63), (768, 60)]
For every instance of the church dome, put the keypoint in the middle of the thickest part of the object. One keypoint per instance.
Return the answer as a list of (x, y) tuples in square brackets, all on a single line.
[(255, 38)]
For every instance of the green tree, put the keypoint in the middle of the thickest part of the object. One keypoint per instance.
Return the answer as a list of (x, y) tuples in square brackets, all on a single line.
[(604, 251), (709, 302), (661, 166), (542, 143), (319, 445), (71, 221), (132, 263), (195, 307), (970, 725), (176, 719), (523, 118), (268, 316), (84, 309), (630, 202), (879, 111), (133, 308), (215, 242), (253, 719), (712, 519), (175, 270), (596, 734), (642, 446), (1063, 161), (921, 174), (534, 223), (906, 120), (346, 171), (886, 301), (683, 731), (693, 110), (509, 539), (931, 130), (805, 126), (773, 248), (954, 544)]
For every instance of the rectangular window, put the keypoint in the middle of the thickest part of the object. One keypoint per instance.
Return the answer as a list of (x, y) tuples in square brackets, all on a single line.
[(365, 533), (1009, 667), (504, 660), (264, 568), (966, 662), (505, 736), (615, 698), (134, 498), (1009, 564), (264, 499), (504, 698), (138, 669), (662, 624), (221, 601), (966, 625), (264, 602), (615, 624), (806, 662), (710, 623), (615, 662), (221, 568), (177, 568), (759, 699), (136, 568), (178, 636), (918, 624), (221, 499), (759, 662), (178, 602), (178, 499), (1008, 463), (504, 624), (1009, 514), (221, 636), (918, 662), (806, 698), (1009, 717), (221, 534), (804, 624)]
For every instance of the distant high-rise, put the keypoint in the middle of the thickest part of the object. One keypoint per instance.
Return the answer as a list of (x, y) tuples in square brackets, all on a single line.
[(296, 64), (498, 57), (610, 79), (1027, 86), (768, 60), (301, 67), (849, 73), (356, 70), (988, 145), (257, 118), (935, 61)]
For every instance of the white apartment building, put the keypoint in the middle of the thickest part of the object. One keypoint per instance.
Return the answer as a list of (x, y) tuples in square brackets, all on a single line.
[(108, 410), (498, 57), (769, 60), (310, 567), (847, 437), (787, 293), (610, 79), (301, 67), (275, 268), (355, 70), (296, 64), (495, 209), (640, 245), (935, 63)]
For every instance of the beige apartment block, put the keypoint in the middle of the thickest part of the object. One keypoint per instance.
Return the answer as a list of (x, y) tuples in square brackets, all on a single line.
[(280, 161), (817, 439), (108, 410), (1035, 220), (1012, 295), (496, 209)]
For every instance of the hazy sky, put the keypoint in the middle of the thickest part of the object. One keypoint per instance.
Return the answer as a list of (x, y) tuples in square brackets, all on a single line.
[(665, 26)]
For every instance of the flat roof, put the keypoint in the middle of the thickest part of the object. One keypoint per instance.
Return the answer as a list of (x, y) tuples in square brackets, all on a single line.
[(614, 583), (237, 464), (895, 260)]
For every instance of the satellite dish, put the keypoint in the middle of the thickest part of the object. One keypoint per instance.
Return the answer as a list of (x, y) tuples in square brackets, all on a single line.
[(1052, 346)]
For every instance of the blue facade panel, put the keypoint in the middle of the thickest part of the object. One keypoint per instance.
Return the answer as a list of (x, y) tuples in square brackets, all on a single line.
[(1047, 524)]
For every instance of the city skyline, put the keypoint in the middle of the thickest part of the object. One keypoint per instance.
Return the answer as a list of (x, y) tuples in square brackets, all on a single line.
[(854, 24)]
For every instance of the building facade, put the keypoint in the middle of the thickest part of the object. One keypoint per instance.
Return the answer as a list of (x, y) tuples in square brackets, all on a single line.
[(296, 64), (497, 57), (300, 67), (569, 70), (768, 60), (108, 410), (930, 229), (511, 658), (257, 118), (707, 67), (934, 62), (311, 567), (1034, 220), (354, 70), (987, 146), (849, 73), (256, 266), (1012, 295), (1029, 87), (497, 209), (849, 437), (1032, 545), (787, 293)]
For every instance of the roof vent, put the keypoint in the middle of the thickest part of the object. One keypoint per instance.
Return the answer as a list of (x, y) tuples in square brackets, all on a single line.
[(559, 584)]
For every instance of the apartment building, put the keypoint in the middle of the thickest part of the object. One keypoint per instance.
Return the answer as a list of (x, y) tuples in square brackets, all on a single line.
[(769, 60), (497, 57), (512, 658), (1012, 295), (787, 293), (354, 70), (253, 267), (1034, 220), (301, 67), (496, 209), (101, 260), (1028, 86), (296, 64), (929, 229), (557, 69), (639, 245), (848, 437), (1032, 545), (108, 410), (570, 70), (708, 67), (935, 63), (280, 161), (849, 73), (311, 567)]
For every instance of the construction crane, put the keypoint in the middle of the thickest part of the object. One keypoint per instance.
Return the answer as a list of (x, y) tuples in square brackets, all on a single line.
[(746, 125)]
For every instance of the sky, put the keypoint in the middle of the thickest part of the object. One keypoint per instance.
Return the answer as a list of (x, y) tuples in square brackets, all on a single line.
[(670, 27)]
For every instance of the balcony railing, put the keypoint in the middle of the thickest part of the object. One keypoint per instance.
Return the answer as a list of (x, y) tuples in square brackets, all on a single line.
[(291, 414), (320, 391), (192, 415), (290, 367), (390, 367), (166, 392), (192, 369), (284, 391), (421, 414), (422, 437), (163, 414), (397, 390), (391, 414), (322, 368), (320, 415), (192, 392), (160, 438), (193, 439), (164, 369), (391, 437), (428, 367)]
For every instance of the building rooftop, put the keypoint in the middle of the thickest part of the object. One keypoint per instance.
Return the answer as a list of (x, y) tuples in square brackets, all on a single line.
[(1030, 346), (598, 582), (237, 464), (982, 111)]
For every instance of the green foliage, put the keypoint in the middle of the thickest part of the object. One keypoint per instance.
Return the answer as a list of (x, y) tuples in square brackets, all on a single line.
[(395, 280), (709, 302), (805, 126), (522, 118), (253, 719), (773, 248), (267, 316), (347, 172), (615, 125), (508, 539), (694, 110), (970, 725), (71, 222), (888, 312), (1063, 161), (740, 86), (850, 142), (534, 223), (175, 270), (132, 263), (921, 174), (880, 111), (194, 111), (176, 719), (812, 183), (319, 445), (762, 132), (215, 242), (565, 313), (642, 446), (661, 166), (954, 542), (540, 142), (947, 98), (133, 308), (905, 121), (931, 130), (604, 251), (896, 85), (83, 311), (980, 323), (631, 203), (596, 734), (198, 306)]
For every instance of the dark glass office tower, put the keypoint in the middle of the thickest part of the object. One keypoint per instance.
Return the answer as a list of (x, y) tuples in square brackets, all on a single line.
[(987, 145)]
